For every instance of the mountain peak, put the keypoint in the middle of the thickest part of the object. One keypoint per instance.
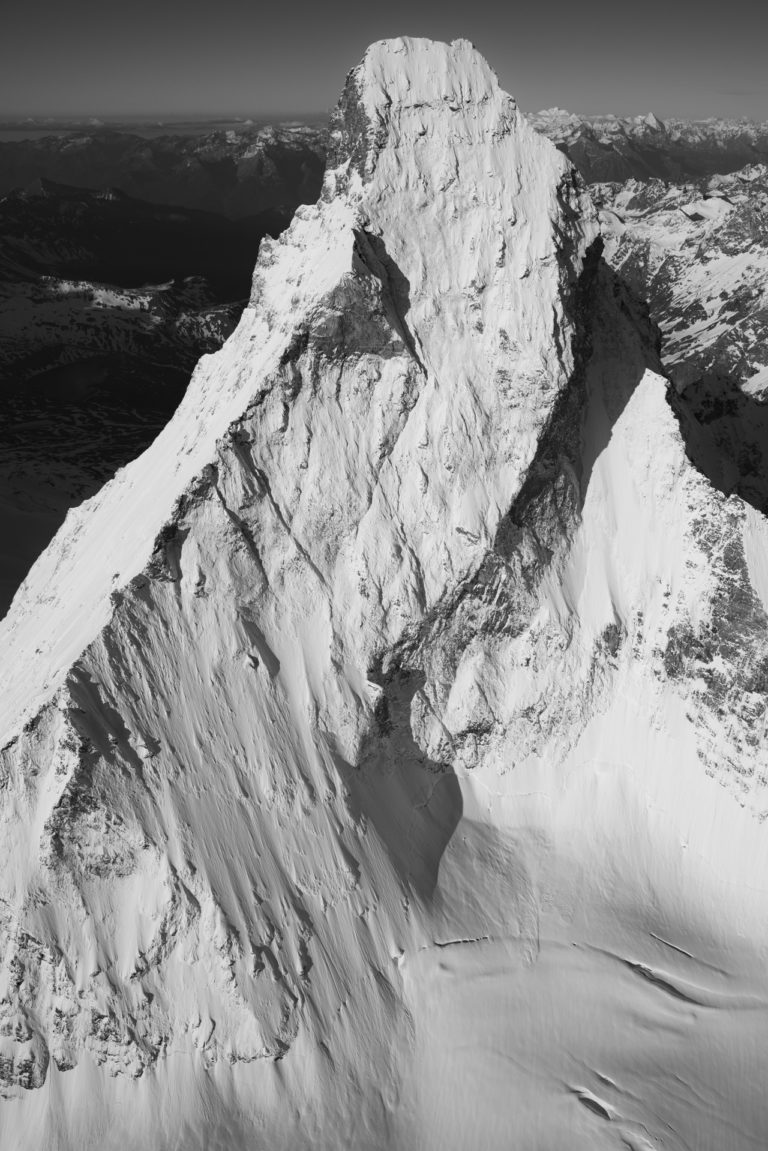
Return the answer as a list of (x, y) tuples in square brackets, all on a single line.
[(397, 639), (410, 71), (397, 79), (651, 120), (471, 231)]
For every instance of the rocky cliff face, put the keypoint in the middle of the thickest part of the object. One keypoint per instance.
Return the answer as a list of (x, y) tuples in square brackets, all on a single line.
[(380, 747)]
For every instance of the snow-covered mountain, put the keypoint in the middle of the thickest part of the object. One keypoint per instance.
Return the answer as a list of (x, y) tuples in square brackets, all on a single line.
[(612, 148), (383, 751)]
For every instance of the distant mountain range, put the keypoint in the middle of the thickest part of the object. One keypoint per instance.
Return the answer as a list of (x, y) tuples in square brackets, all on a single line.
[(641, 147), (236, 172), (245, 170)]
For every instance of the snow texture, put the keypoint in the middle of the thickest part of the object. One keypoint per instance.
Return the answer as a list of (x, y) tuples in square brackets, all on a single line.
[(383, 751)]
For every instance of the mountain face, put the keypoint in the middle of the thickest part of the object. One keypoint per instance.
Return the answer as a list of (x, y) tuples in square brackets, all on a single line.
[(383, 751), (239, 173), (609, 148)]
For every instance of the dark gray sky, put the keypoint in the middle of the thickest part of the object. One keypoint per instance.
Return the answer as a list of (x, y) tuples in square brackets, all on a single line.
[(180, 57)]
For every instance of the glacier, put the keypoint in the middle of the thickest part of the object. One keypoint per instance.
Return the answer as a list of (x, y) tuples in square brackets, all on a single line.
[(383, 751)]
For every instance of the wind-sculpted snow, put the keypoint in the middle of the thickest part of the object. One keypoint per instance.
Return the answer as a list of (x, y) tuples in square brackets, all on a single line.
[(364, 779)]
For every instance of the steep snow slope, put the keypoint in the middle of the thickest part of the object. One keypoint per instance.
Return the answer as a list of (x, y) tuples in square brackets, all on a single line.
[(383, 750)]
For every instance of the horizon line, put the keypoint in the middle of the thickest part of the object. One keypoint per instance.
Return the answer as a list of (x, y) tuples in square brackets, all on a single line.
[(21, 120)]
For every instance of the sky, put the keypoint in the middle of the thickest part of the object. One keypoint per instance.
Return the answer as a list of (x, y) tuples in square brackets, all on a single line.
[(221, 57)]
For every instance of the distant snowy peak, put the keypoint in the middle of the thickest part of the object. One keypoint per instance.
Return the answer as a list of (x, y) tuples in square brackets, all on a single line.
[(557, 121)]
